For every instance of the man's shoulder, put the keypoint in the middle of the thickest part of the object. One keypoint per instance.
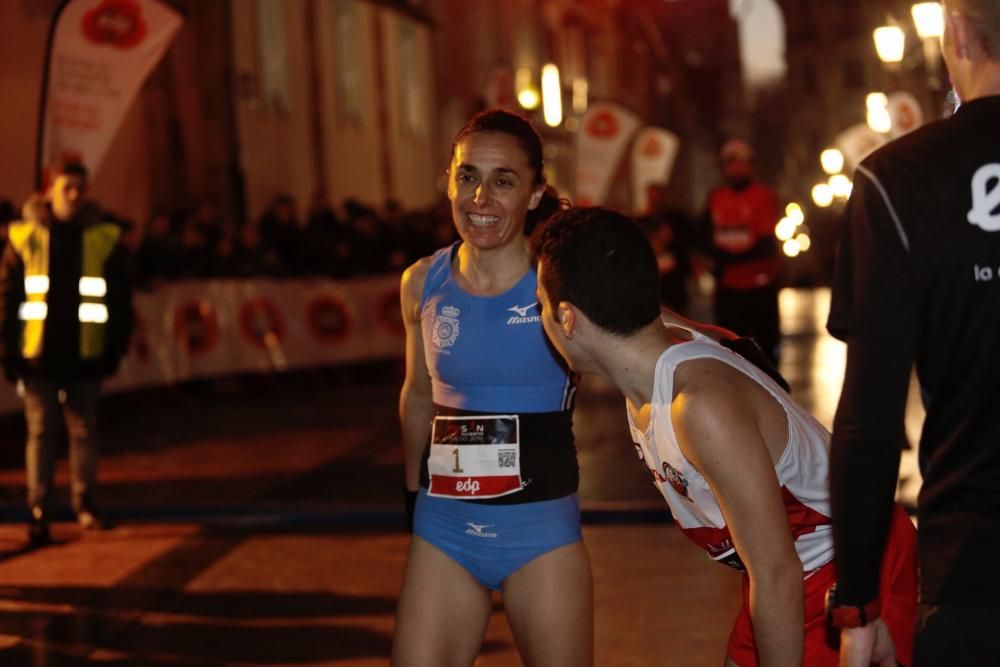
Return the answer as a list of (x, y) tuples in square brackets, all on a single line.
[(918, 149)]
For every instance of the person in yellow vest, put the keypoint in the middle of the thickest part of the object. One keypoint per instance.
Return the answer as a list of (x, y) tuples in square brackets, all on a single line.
[(65, 324)]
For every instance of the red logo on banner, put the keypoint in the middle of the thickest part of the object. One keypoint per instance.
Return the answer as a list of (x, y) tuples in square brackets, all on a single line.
[(907, 120), (261, 323), (603, 125), (118, 23), (196, 327), (652, 147), (390, 317), (328, 319)]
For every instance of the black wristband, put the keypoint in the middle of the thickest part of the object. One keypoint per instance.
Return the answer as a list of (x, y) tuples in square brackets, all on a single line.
[(410, 500)]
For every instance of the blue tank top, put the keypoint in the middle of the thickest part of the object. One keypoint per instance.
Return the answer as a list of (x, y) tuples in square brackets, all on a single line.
[(489, 353)]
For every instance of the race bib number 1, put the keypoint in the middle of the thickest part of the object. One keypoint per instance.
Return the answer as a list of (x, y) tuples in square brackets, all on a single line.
[(475, 456)]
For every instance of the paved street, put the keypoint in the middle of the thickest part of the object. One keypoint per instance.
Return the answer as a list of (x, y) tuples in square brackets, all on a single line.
[(259, 522)]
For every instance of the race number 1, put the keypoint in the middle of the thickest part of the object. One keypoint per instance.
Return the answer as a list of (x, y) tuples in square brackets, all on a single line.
[(475, 456)]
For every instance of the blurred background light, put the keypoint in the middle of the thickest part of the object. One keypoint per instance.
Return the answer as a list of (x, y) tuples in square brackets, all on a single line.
[(841, 186), (551, 96), (794, 212), (832, 161), (822, 195), (928, 17), (890, 43)]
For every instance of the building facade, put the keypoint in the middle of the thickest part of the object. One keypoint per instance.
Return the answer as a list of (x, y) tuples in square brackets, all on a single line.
[(359, 99)]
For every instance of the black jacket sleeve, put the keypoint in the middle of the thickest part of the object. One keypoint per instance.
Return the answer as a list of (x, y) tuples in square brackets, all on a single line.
[(11, 297), (868, 437)]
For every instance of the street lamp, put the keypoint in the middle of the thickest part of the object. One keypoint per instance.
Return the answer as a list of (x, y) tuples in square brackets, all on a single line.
[(928, 17), (878, 117), (822, 195), (890, 43), (551, 96), (840, 185), (527, 94), (832, 161)]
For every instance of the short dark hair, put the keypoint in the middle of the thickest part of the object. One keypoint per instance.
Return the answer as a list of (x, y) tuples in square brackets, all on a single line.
[(601, 262), (500, 121)]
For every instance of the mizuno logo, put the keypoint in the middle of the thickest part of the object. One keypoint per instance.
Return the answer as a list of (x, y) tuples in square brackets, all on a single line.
[(522, 311), (522, 316), (479, 529)]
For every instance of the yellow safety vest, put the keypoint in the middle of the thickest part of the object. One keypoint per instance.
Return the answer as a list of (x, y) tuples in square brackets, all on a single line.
[(31, 242)]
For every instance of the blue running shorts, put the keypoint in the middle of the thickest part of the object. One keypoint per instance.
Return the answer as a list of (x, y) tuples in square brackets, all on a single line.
[(493, 541)]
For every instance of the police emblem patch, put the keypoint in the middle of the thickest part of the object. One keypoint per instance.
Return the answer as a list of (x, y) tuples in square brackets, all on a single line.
[(445, 330)]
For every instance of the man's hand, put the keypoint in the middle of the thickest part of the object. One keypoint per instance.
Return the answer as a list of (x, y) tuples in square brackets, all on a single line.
[(860, 647)]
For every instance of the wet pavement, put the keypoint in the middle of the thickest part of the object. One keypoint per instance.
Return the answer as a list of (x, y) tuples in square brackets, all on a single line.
[(258, 521)]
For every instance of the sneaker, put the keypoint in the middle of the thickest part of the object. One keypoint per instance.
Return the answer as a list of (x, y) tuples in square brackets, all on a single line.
[(88, 520)]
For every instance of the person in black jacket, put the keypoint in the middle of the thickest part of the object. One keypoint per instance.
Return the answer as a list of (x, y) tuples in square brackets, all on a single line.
[(917, 284), (65, 324)]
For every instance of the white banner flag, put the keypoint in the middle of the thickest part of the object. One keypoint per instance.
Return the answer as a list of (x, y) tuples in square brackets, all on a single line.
[(654, 152), (100, 52), (604, 133)]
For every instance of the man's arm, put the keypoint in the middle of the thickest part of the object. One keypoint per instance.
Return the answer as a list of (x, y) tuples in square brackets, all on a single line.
[(11, 297), (868, 434), (415, 403), (719, 431)]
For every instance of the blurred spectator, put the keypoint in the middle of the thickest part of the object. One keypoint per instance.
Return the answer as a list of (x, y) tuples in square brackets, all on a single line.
[(279, 229), (325, 241), (207, 220), (740, 219), (670, 234), (61, 333), (254, 258), (194, 253), (159, 255), (222, 259)]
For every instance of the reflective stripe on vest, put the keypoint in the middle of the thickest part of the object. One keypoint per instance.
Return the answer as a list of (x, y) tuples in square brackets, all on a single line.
[(31, 242)]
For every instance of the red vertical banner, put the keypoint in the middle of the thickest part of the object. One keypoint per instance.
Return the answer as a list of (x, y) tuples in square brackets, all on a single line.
[(654, 152), (99, 54)]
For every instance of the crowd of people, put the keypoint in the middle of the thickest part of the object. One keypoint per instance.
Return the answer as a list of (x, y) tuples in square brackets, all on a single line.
[(343, 242)]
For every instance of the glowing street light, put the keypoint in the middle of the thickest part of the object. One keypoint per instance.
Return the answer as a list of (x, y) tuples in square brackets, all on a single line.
[(878, 117), (822, 195), (528, 98), (580, 88), (804, 242), (928, 17), (890, 43), (785, 229), (841, 186), (832, 161), (527, 94), (791, 247), (551, 96), (794, 213)]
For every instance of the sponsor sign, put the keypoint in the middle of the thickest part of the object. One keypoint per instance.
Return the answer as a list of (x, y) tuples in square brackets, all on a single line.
[(654, 152), (605, 130), (100, 52)]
